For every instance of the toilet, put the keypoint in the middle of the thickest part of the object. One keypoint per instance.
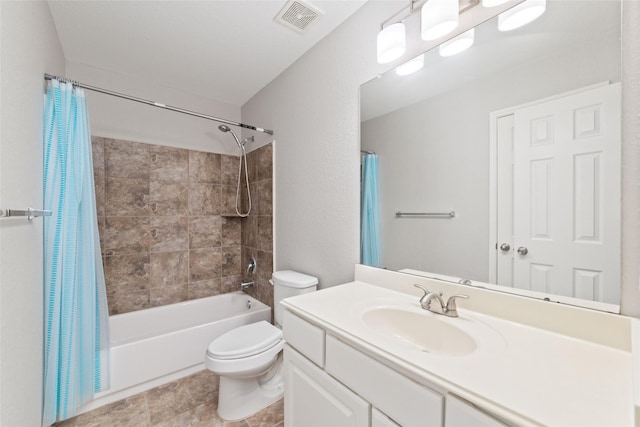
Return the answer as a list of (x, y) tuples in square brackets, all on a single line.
[(248, 359)]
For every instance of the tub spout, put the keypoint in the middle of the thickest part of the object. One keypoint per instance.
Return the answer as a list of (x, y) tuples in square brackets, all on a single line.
[(245, 285)]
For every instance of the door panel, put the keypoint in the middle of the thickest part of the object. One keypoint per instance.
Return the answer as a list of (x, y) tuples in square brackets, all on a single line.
[(566, 193)]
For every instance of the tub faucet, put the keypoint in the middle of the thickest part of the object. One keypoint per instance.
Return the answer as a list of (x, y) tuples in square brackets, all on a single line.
[(449, 309), (245, 285)]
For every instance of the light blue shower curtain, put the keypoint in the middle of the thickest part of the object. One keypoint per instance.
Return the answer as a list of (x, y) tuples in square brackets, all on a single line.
[(76, 347), (370, 221)]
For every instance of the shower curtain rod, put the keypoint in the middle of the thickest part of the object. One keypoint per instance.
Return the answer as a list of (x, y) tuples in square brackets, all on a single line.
[(157, 104)]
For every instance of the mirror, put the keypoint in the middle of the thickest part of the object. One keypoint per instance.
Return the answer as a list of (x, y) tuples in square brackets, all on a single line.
[(478, 134)]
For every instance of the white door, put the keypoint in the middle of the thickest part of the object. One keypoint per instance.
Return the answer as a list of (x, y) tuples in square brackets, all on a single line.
[(566, 193)]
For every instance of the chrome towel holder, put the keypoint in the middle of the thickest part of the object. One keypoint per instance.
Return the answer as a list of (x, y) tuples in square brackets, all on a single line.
[(450, 214), (30, 213)]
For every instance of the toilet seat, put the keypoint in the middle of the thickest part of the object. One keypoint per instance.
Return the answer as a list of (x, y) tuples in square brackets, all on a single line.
[(244, 341)]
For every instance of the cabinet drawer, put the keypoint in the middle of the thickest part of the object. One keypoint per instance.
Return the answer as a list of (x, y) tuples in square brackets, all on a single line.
[(313, 399), (405, 401), (306, 338)]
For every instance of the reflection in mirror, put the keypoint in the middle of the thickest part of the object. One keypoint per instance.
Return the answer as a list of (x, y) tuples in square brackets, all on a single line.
[(519, 136)]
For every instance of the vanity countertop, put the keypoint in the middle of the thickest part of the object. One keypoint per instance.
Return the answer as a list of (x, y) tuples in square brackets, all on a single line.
[(523, 374)]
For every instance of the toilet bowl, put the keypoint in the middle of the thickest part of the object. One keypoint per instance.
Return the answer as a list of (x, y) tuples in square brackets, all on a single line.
[(248, 359)]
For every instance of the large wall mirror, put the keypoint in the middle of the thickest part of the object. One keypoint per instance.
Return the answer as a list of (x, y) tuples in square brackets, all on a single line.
[(519, 135)]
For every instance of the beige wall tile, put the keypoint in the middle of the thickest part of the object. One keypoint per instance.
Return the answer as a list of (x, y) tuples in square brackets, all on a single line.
[(126, 159), (168, 268), (126, 235), (168, 163), (229, 170), (125, 302), (231, 231), (168, 198), (160, 226), (205, 264), (127, 273), (126, 197), (231, 261), (205, 231), (204, 167), (169, 233), (166, 295), (204, 288), (204, 199)]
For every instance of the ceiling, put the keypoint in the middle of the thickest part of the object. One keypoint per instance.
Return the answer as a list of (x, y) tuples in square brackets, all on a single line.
[(225, 50)]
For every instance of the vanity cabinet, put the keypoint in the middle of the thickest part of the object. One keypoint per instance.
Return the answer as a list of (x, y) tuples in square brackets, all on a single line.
[(330, 383)]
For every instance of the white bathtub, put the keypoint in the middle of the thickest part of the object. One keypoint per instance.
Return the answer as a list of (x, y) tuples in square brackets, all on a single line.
[(159, 345)]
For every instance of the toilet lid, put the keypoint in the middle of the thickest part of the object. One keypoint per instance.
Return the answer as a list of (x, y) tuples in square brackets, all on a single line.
[(245, 341)]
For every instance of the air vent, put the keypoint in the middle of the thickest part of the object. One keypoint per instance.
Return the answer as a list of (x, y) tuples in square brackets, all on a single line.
[(297, 15)]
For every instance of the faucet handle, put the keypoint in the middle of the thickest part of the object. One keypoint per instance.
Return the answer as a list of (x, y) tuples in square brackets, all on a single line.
[(452, 309), (425, 290)]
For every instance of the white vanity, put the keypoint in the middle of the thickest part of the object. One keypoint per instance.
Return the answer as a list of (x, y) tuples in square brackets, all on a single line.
[(367, 354)]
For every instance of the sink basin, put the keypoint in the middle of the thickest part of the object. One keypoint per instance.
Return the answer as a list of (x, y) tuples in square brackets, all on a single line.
[(429, 332)]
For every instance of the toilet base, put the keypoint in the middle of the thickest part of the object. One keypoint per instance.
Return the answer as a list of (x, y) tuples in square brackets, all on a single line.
[(239, 398)]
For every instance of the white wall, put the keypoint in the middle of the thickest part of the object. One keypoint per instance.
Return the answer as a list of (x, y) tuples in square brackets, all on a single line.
[(630, 303), (29, 48), (434, 156), (117, 118), (313, 109)]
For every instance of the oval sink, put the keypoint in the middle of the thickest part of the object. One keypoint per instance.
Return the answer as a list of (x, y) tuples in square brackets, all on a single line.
[(426, 330)]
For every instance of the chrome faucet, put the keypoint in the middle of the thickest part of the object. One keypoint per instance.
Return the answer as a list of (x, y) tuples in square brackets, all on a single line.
[(449, 309), (244, 285)]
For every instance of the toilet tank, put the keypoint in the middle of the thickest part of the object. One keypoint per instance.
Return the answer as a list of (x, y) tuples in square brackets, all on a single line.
[(289, 283)]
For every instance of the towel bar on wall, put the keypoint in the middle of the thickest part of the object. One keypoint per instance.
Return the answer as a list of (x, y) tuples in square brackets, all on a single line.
[(450, 214), (30, 213)]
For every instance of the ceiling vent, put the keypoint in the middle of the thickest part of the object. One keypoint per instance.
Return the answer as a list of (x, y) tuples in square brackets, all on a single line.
[(297, 15)]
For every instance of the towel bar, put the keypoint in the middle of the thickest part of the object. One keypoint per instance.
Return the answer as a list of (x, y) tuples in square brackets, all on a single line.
[(30, 213), (450, 214)]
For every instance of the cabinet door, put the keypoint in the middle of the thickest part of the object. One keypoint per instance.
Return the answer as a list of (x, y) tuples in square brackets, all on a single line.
[(314, 399), (459, 413)]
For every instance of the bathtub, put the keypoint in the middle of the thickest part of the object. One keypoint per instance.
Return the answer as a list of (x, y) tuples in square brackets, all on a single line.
[(159, 345)]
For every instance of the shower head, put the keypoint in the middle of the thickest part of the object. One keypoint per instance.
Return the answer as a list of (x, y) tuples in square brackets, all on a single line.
[(225, 129)]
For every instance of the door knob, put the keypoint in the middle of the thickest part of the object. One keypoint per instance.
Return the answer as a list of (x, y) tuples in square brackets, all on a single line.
[(505, 247), (522, 250)]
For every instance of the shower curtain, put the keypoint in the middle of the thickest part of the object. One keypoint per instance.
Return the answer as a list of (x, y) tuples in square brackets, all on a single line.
[(76, 347), (370, 222)]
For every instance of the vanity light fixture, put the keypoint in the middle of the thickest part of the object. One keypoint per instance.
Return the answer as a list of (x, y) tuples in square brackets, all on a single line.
[(391, 42), (411, 66), (521, 15), (457, 44), (439, 18)]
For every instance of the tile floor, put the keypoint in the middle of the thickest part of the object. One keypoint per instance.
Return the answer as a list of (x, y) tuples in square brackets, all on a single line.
[(187, 402)]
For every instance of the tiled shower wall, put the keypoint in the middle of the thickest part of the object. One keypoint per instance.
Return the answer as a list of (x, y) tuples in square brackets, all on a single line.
[(168, 226)]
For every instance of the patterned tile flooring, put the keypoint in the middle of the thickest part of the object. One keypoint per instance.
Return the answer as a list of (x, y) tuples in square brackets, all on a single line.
[(188, 402)]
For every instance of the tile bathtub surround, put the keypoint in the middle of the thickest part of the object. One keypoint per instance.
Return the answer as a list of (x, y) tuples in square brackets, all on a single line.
[(189, 401), (257, 228), (166, 233)]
